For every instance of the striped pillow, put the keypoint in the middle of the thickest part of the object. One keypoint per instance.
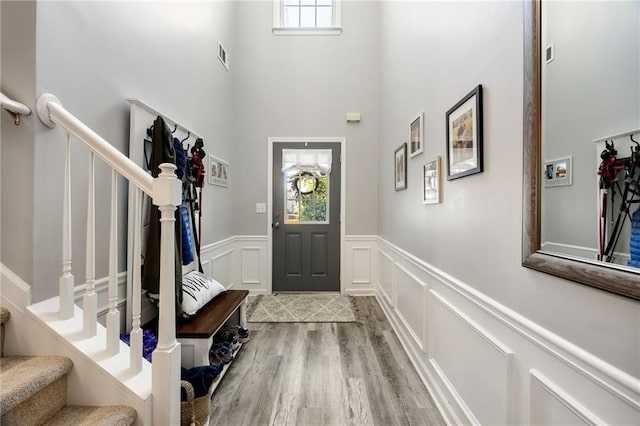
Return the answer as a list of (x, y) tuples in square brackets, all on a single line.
[(197, 290)]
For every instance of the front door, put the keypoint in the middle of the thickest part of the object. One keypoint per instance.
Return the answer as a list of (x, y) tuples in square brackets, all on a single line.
[(306, 217)]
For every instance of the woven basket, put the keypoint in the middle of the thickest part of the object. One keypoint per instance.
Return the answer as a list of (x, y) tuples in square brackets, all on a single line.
[(194, 411)]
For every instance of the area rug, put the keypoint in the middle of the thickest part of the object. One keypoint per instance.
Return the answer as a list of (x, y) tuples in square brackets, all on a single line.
[(302, 308)]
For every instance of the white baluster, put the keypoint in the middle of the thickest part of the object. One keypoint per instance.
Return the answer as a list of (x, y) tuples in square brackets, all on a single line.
[(113, 317), (166, 357), (90, 298), (66, 281), (135, 339)]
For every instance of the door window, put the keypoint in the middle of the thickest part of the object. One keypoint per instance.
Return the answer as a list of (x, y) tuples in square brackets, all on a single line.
[(307, 197)]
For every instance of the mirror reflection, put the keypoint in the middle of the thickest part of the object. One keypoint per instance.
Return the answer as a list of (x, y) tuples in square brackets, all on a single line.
[(590, 81)]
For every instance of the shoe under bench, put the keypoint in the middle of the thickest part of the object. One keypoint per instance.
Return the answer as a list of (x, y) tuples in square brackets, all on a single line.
[(196, 334)]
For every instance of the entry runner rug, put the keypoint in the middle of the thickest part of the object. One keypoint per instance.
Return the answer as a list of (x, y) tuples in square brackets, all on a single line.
[(302, 308)]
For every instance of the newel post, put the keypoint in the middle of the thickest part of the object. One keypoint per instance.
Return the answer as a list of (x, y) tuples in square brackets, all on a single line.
[(166, 357)]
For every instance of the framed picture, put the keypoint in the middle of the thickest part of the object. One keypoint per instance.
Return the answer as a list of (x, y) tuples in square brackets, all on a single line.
[(400, 168), (558, 172), (416, 141), (218, 172), (464, 136), (431, 182)]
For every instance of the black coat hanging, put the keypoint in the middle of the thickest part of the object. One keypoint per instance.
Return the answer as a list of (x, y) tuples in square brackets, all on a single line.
[(162, 152)]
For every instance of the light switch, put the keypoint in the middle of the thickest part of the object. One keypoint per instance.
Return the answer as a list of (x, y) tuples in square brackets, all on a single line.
[(261, 207)]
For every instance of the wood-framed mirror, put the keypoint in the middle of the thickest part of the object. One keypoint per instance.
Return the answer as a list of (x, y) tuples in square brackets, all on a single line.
[(610, 277)]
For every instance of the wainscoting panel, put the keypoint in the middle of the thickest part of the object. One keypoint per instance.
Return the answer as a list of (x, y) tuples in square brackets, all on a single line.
[(222, 267), (550, 405), (410, 303), (472, 360), (385, 273), (358, 269), (250, 264), (481, 361), (361, 265)]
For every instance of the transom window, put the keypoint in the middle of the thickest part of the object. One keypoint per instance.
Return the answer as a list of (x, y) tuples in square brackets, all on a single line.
[(308, 13), (306, 17)]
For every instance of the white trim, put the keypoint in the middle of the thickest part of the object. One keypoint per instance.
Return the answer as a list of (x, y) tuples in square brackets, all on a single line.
[(453, 393), (343, 193), (219, 244), (423, 286), (563, 350), (280, 29), (580, 251), (14, 289), (251, 238), (360, 292), (353, 264), (381, 290), (221, 255), (499, 346), (416, 357), (361, 238), (101, 285), (562, 397), (243, 262)]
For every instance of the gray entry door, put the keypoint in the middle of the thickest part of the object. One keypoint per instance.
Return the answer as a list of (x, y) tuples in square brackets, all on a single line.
[(306, 222)]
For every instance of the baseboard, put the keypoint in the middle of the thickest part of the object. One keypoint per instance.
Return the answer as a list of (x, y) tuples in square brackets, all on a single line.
[(360, 292), (14, 290), (449, 414)]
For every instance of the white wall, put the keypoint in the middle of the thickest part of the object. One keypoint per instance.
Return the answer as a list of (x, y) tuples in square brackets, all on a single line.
[(95, 55), (428, 64), (590, 90), (496, 343), (289, 86), (17, 149)]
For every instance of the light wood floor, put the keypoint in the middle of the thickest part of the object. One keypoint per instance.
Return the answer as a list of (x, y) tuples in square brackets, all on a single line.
[(324, 374)]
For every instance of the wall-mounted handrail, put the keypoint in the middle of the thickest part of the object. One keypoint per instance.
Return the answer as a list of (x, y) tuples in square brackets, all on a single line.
[(16, 109), (51, 112)]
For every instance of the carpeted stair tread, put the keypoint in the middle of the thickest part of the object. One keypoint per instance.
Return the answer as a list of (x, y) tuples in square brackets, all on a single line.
[(24, 376), (114, 415)]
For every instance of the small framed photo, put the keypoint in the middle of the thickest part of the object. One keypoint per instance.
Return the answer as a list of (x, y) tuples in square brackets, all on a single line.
[(464, 136), (416, 141), (218, 172), (400, 168), (431, 182), (558, 172)]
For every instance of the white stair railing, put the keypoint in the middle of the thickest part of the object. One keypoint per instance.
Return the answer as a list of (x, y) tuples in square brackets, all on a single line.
[(165, 193), (90, 298)]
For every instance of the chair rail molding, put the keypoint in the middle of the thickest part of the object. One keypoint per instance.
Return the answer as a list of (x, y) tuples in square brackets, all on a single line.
[(467, 334)]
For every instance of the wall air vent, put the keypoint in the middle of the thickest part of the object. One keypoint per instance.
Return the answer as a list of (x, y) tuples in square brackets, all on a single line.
[(548, 53), (222, 55)]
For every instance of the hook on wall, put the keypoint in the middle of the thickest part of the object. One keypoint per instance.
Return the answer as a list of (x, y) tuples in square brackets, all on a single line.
[(175, 127), (188, 136)]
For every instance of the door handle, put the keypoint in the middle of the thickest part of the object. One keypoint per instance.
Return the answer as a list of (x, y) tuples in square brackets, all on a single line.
[(275, 225)]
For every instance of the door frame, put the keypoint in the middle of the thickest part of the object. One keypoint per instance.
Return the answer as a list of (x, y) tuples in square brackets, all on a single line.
[(343, 192)]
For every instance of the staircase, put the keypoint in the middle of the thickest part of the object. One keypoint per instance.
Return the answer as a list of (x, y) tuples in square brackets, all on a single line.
[(33, 391)]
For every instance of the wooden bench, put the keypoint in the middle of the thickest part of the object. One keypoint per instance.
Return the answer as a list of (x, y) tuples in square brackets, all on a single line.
[(196, 334)]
